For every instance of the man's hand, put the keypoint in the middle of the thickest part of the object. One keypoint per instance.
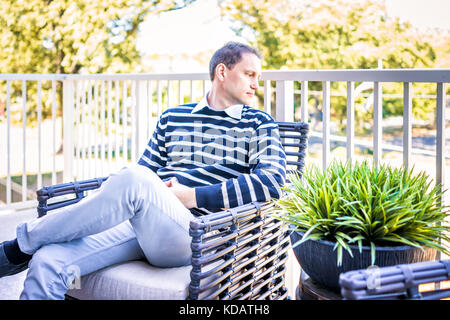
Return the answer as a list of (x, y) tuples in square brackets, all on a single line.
[(185, 194)]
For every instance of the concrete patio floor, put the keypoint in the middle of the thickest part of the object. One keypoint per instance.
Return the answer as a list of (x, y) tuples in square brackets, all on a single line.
[(11, 286)]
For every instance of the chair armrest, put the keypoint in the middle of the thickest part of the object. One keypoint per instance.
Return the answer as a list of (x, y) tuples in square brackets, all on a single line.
[(239, 253), (396, 282), (77, 187)]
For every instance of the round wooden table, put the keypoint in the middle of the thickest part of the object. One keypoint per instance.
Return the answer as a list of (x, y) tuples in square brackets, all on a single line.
[(308, 289)]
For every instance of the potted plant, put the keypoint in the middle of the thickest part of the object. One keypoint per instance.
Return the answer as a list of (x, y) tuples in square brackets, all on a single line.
[(353, 215)]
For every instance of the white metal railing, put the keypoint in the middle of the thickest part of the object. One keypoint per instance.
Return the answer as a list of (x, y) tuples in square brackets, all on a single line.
[(129, 106), (22, 155), (107, 120)]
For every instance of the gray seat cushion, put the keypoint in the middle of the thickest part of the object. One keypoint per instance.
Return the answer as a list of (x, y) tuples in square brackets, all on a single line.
[(134, 280)]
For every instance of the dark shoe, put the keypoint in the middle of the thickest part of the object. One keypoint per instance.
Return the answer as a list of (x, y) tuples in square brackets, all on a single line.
[(7, 268)]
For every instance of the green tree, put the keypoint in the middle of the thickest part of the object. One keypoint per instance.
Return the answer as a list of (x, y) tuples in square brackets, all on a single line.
[(71, 36), (338, 34)]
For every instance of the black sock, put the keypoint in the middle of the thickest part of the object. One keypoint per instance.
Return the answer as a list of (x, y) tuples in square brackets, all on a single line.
[(14, 254)]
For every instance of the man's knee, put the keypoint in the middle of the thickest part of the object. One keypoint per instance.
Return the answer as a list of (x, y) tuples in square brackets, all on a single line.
[(48, 276), (136, 174)]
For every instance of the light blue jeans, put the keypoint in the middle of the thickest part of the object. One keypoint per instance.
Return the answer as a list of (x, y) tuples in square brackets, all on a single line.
[(133, 215)]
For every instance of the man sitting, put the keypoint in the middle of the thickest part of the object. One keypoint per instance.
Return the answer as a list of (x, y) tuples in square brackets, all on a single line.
[(218, 153)]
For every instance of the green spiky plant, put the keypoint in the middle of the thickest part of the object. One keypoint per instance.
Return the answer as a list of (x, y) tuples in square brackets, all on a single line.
[(358, 204)]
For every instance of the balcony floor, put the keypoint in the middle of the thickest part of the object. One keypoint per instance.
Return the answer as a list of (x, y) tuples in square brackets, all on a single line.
[(11, 287)]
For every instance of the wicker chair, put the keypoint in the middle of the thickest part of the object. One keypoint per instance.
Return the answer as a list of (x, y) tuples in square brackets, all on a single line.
[(400, 282), (238, 253)]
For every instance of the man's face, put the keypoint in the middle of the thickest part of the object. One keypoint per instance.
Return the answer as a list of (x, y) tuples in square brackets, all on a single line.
[(241, 81)]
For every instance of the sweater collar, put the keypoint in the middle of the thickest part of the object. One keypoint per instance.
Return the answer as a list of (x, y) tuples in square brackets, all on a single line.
[(234, 111)]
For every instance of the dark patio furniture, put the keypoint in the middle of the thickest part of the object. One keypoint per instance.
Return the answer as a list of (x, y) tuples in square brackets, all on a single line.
[(238, 253), (396, 282)]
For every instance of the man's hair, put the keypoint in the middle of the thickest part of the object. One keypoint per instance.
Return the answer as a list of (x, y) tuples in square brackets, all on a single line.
[(230, 54)]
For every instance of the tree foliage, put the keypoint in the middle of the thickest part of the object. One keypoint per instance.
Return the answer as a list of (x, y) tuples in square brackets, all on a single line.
[(70, 36), (339, 34), (325, 34), (73, 36)]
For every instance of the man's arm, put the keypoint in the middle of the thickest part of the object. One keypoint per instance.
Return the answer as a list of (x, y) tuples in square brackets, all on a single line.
[(267, 162), (155, 154)]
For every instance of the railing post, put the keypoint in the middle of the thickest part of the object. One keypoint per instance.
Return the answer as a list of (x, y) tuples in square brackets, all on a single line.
[(440, 147), (68, 129), (304, 101), (141, 116), (440, 134), (284, 101), (268, 96), (350, 120), (377, 123), (407, 123), (24, 140), (8, 143), (326, 150)]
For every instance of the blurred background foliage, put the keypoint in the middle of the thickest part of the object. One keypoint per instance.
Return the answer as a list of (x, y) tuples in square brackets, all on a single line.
[(74, 36), (342, 34), (71, 36)]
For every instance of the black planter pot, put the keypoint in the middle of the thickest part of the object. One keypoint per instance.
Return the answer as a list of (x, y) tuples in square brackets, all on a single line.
[(318, 259)]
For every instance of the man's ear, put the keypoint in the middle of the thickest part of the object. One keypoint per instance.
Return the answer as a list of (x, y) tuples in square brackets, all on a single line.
[(221, 71)]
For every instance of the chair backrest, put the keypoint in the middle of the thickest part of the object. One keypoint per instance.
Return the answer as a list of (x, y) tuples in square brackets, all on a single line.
[(294, 140)]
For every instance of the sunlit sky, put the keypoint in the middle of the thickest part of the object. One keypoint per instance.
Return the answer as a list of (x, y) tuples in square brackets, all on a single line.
[(422, 13), (191, 29), (199, 27)]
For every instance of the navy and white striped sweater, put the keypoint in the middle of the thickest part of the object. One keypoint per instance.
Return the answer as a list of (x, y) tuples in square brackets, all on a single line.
[(229, 161)]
